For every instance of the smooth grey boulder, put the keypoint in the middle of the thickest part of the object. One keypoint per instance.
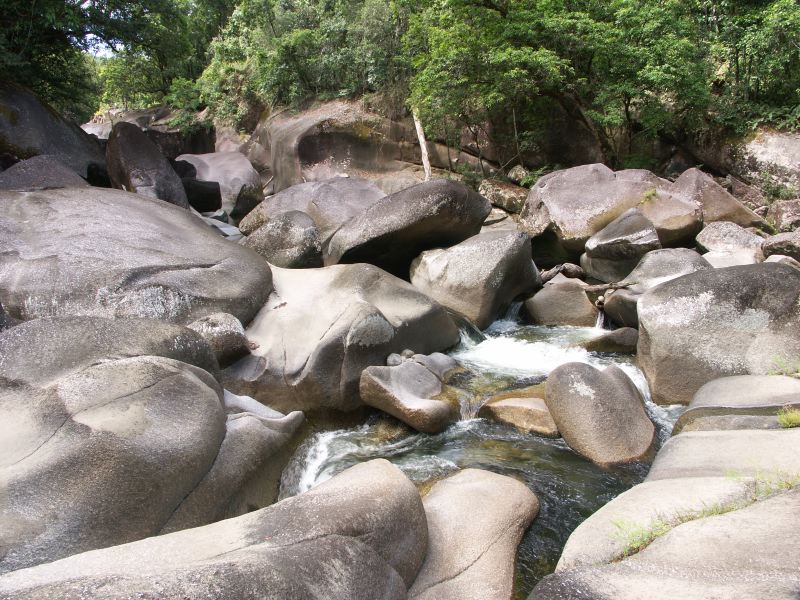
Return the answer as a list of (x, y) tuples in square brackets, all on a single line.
[(409, 392), (608, 534), (660, 266), (135, 164), (330, 203), (622, 341), (110, 253), (38, 173), (289, 240), (771, 456), (756, 395), (124, 433), (724, 236), (614, 251), (322, 327), (655, 268), (600, 414), (786, 244), (480, 277), (745, 553), (561, 302), (96, 431), (476, 520), (29, 127), (251, 455), (360, 535), (734, 258), (526, 413), (239, 183), (714, 323), (224, 334), (577, 203), (717, 203), (620, 306), (396, 229), (507, 196)]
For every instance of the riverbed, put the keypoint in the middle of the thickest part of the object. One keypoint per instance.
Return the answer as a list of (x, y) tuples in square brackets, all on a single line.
[(506, 356)]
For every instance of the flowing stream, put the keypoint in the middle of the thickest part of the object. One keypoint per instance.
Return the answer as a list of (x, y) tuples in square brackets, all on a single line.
[(504, 357)]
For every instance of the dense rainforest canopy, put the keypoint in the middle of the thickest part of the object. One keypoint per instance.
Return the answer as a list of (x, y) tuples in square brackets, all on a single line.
[(627, 69)]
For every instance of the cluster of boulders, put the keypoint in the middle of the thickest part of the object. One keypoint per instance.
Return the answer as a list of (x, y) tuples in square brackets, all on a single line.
[(710, 518), (155, 357)]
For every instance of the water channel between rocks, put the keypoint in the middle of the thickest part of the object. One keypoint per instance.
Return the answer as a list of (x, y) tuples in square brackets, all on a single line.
[(506, 356)]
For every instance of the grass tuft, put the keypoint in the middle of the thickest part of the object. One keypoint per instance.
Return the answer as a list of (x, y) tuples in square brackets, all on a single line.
[(789, 417)]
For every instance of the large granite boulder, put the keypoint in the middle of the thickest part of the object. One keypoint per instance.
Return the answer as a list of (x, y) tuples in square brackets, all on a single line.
[(410, 392), (613, 531), (766, 153), (770, 456), (396, 229), (322, 327), (343, 137), (717, 203), (476, 520), (576, 203), (239, 183), (757, 395), (135, 164), (621, 341), (39, 173), (28, 127), (529, 414), (480, 277), (561, 301), (600, 414), (724, 236), (785, 244), (289, 240), (745, 553), (614, 251), (714, 323), (359, 536), (654, 269), (121, 432), (111, 253), (729, 245), (330, 203)]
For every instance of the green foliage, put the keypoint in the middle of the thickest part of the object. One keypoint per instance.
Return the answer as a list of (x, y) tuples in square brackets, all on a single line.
[(789, 417), (535, 175), (637, 536), (774, 190), (286, 52)]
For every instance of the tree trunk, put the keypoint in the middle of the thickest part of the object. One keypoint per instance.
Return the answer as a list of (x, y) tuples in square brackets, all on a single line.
[(423, 145)]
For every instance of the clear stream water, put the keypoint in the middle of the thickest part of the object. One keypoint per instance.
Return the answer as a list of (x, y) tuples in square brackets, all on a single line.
[(506, 356)]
